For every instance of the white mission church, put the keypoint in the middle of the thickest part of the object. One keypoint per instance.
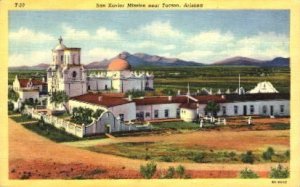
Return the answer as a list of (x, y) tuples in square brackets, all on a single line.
[(106, 90)]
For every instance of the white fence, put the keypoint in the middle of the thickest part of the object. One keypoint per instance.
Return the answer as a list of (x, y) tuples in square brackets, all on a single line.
[(69, 127)]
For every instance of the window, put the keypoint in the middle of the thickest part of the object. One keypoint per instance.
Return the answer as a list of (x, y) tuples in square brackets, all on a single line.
[(147, 114), (74, 74), (121, 117), (61, 58), (236, 109), (251, 109), (155, 113), (264, 109), (281, 108), (224, 110), (167, 113)]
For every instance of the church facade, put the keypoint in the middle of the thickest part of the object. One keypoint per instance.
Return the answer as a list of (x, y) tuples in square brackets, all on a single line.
[(66, 73)]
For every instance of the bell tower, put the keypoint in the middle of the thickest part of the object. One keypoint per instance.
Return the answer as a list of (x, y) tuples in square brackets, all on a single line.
[(66, 72)]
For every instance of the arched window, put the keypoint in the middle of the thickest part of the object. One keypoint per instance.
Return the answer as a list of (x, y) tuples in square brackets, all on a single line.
[(74, 74)]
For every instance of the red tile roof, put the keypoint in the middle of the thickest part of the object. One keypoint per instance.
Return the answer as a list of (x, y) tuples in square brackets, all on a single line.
[(101, 99), (160, 100), (35, 82)]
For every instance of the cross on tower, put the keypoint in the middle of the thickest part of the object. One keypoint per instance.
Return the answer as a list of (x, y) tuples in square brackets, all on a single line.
[(60, 40)]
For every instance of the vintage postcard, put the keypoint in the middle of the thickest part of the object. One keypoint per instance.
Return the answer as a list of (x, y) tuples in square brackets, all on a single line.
[(150, 93)]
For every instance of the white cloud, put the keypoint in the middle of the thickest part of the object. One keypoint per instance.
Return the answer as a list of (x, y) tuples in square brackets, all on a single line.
[(105, 34), (210, 38), (102, 34), (158, 29), (213, 45), (29, 59), (30, 36), (71, 33)]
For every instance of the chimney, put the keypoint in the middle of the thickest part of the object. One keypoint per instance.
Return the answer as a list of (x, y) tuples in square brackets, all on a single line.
[(100, 98), (169, 98), (129, 97)]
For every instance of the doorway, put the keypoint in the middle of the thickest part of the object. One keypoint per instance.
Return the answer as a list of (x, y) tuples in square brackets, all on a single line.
[(245, 110), (107, 128), (271, 110)]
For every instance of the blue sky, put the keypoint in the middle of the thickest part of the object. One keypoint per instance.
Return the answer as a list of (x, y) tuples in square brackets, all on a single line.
[(202, 36)]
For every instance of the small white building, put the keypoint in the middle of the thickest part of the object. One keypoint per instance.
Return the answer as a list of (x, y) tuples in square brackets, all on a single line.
[(263, 87)]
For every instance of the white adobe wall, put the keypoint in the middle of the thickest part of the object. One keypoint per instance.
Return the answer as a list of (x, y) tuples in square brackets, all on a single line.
[(99, 83), (34, 94), (117, 85), (258, 108), (172, 107), (187, 115), (133, 84), (127, 109)]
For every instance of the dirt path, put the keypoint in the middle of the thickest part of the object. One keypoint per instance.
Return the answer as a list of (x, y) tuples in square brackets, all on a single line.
[(29, 152)]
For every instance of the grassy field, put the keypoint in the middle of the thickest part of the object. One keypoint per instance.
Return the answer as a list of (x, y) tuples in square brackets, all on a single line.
[(214, 77), (166, 152)]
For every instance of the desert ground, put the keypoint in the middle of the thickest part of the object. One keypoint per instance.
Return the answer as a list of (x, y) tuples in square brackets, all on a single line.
[(34, 157)]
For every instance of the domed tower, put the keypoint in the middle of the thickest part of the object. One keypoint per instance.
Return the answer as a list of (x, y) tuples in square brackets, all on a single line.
[(66, 72)]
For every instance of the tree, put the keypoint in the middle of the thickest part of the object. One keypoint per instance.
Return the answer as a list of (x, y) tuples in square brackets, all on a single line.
[(59, 97), (180, 170), (248, 157), (12, 95), (267, 155), (81, 115), (10, 106), (279, 172), (248, 174), (212, 108), (97, 113), (149, 170)]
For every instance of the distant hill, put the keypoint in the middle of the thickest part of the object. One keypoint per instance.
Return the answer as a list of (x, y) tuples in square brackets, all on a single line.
[(244, 61), (41, 66), (143, 59)]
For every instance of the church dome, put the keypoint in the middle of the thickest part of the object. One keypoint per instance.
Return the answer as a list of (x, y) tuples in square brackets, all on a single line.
[(118, 64), (60, 45)]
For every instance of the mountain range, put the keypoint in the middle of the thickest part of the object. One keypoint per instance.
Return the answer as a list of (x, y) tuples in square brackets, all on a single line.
[(143, 59)]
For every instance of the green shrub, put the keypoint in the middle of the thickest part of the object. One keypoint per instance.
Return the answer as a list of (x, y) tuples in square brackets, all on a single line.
[(148, 170), (248, 157), (279, 172), (170, 173), (10, 106), (267, 155), (248, 174), (287, 154), (232, 154), (166, 158), (180, 170), (198, 157)]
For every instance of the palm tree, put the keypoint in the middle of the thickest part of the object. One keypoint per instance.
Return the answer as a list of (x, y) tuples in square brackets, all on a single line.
[(212, 108), (60, 97)]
